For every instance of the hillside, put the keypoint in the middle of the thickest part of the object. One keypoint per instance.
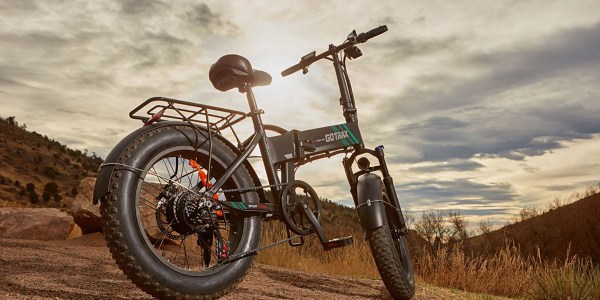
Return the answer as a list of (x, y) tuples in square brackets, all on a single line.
[(574, 227), (37, 171), (30, 158)]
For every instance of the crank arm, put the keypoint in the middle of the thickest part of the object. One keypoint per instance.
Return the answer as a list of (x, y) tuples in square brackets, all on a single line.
[(325, 242), (315, 223)]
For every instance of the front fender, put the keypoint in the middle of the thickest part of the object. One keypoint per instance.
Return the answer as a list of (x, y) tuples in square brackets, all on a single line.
[(370, 206), (102, 186)]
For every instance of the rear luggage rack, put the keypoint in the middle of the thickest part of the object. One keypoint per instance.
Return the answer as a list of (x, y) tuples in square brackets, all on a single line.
[(163, 109)]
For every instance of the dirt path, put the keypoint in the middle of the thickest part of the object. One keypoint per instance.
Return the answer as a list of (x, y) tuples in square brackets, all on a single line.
[(83, 269)]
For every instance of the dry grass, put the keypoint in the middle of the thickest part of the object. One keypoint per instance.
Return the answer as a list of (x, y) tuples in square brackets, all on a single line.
[(354, 260), (508, 273), (572, 279), (6, 203), (505, 273)]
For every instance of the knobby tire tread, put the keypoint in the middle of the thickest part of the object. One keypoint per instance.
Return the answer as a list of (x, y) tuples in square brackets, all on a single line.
[(388, 264)]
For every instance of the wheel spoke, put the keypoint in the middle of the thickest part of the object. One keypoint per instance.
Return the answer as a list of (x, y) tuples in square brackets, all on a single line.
[(187, 263), (176, 252), (157, 177), (167, 223)]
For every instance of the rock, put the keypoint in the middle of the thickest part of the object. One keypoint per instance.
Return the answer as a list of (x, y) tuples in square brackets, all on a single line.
[(75, 232), (35, 223), (86, 215)]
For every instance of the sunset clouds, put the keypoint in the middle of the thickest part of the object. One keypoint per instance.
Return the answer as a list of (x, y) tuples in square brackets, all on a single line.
[(483, 106)]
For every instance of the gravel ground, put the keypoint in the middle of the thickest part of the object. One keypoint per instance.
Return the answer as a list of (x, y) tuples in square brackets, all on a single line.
[(82, 268)]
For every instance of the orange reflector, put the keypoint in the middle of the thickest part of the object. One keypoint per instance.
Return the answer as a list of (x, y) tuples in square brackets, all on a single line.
[(203, 177)]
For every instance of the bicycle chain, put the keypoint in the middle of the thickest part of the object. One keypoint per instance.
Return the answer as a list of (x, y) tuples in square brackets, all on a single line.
[(253, 251), (241, 190), (256, 250), (255, 188)]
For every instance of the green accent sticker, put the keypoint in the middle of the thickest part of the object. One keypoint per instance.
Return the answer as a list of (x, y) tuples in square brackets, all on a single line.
[(336, 130), (354, 139), (238, 205)]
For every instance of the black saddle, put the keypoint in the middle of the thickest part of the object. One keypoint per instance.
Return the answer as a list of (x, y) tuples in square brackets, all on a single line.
[(234, 71)]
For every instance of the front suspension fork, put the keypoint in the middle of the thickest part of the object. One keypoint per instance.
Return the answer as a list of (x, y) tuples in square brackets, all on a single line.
[(388, 182)]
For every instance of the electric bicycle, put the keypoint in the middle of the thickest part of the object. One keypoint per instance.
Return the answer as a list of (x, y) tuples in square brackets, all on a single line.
[(182, 207)]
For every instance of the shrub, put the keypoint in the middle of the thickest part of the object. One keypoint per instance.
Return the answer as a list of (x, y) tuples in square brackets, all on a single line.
[(57, 197), (51, 187), (573, 279), (46, 196), (30, 187), (50, 172), (33, 197)]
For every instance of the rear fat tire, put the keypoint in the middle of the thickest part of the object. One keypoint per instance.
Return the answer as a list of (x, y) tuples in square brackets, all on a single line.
[(128, 242)]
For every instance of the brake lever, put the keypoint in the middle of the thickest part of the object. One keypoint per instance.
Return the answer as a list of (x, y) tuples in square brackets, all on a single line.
[(352, 36)]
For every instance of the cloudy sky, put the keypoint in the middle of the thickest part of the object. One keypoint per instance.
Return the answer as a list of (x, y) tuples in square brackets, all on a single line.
[(483, 106)]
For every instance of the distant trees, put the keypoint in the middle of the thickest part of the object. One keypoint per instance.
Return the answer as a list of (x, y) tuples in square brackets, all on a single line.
[(30, 187), (29, 190), (33, 197), (440, 227), (12, 121), (46, 196), (51, 187), (458, 226), (50, 172), (51, 190)]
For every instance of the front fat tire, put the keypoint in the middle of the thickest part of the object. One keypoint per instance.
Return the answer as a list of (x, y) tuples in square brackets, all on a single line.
[(388, 262), (126, 240)]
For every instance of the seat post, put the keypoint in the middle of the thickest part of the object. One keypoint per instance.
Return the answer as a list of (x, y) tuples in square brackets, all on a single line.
[(255, 113)]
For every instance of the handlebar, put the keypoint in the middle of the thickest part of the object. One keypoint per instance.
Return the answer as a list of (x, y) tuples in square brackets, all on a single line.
[(307, 60)]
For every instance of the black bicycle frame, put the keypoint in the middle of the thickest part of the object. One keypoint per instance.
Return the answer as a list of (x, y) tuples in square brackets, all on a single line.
[(288, 150)]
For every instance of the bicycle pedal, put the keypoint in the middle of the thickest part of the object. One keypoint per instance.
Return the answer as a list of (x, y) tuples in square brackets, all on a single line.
[(297, 244), (291, 241), (337, 243)]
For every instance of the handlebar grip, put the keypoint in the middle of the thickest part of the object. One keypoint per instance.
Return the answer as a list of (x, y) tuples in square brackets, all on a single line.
[(304, 62), (293, 69), (363, 37)]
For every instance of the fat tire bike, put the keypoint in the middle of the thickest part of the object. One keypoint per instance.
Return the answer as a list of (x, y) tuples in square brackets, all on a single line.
[(182, 207)]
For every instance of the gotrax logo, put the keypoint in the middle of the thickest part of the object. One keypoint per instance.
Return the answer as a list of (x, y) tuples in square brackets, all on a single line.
[(336, 136)]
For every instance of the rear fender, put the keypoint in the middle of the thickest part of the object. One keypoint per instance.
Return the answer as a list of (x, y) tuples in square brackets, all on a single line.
[(370, 205), (102, 187)]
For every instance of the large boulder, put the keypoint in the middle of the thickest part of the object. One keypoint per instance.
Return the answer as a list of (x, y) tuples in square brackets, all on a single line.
[(86, 215), (37, 224)]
